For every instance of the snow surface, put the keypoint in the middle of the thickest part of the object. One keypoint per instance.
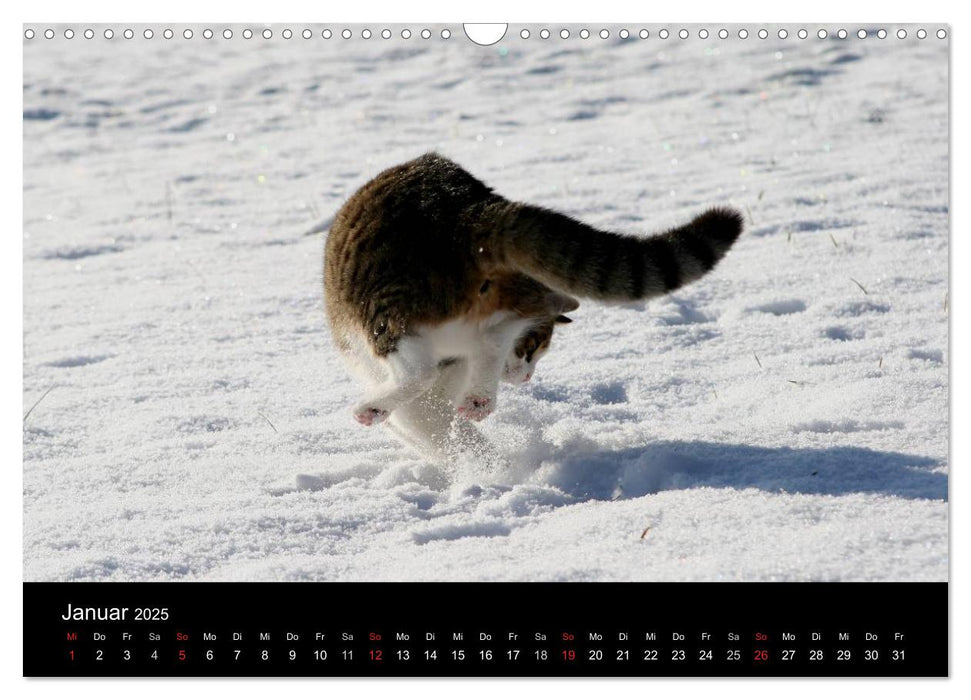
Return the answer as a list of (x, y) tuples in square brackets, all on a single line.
[(783, 419)]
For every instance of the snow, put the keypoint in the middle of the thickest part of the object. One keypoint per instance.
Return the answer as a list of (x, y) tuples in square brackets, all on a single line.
[(785, 418)]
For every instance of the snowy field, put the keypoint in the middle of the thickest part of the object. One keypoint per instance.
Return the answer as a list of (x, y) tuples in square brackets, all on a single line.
[(783, 419)]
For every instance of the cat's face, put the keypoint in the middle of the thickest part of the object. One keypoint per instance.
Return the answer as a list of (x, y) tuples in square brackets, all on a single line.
[(529, 348)]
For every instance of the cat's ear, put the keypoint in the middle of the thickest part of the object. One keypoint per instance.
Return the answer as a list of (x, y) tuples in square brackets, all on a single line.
[(563, 319), (561, 303)]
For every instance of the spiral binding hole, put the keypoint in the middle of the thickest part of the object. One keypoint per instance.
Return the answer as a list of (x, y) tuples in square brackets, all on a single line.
[(564, 33)]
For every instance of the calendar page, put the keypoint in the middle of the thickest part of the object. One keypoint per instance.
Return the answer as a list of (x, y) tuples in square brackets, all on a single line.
[(490, 350)]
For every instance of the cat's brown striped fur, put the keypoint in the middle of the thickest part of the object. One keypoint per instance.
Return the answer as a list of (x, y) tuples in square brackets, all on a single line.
[(418, 242)]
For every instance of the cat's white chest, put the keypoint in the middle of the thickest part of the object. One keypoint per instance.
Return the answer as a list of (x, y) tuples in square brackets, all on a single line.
[(463, 338)]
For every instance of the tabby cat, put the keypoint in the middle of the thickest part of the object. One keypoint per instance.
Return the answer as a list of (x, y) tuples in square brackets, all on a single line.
[(436, 287)]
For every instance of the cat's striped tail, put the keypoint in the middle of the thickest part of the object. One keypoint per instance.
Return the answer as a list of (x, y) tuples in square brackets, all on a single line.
[(572, 257)]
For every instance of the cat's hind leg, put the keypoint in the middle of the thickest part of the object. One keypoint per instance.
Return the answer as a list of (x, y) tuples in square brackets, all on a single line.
[(428, 422), (411, 371), (486, 369), (480, 399)]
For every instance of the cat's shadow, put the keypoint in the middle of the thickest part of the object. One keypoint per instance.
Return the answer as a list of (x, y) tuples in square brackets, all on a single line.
[(672, 465), (591, 474)]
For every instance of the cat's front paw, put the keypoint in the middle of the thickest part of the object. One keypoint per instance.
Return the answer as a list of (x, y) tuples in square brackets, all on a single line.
[(476, 407), (369, 415)]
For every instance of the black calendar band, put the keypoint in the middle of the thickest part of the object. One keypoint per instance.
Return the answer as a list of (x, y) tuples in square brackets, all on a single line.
[(485, 629)]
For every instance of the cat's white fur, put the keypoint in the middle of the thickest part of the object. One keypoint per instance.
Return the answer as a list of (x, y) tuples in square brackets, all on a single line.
[(440, 373)]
